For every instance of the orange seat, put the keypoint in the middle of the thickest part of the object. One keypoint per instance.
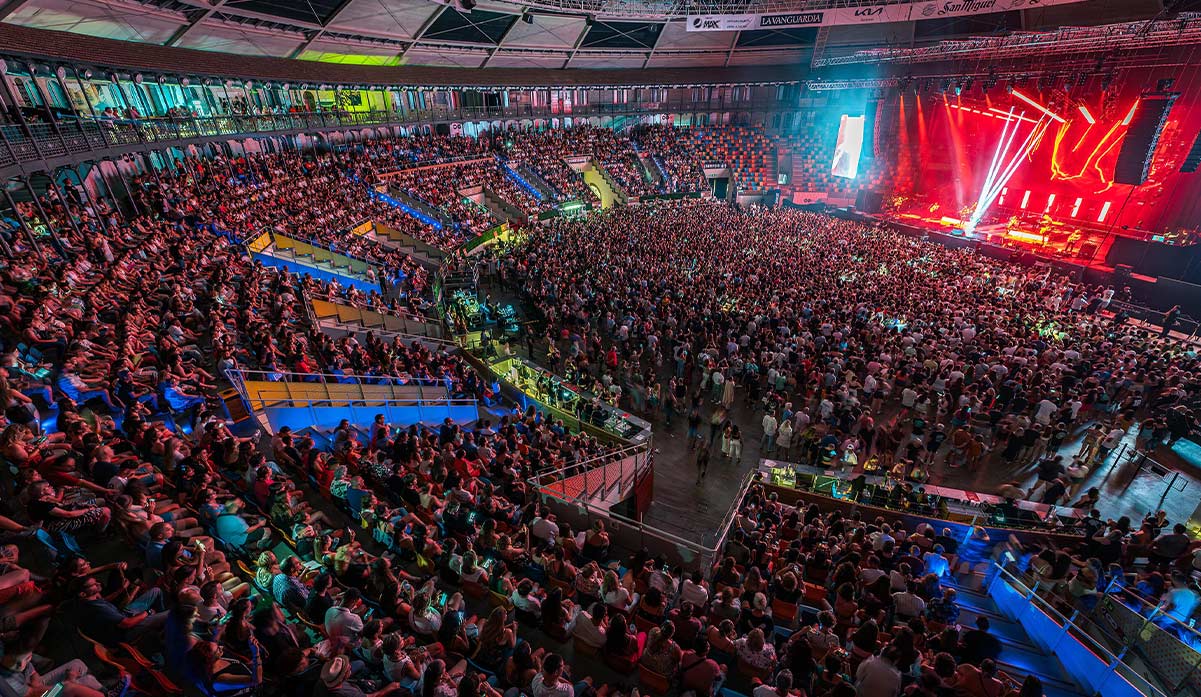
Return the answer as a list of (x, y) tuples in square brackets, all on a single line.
[(783, 613), (472, 589), (622, 665), (655, 683), (643, 624)]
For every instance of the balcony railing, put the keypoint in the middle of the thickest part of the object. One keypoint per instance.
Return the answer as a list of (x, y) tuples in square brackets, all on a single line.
[(41, 141)]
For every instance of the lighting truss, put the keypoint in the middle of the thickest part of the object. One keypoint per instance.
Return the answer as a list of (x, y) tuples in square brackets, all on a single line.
[(1127, 36), (675, 9), (865, 84)]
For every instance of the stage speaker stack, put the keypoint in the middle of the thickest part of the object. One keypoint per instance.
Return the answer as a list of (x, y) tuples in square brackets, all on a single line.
[(868, 201), (1123, 271), (1088, 250), (1142, 136), (1193, 159)]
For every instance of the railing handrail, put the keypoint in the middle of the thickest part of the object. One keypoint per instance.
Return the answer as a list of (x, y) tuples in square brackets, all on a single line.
[(459, 401), (609, 454), (723, 528), (423, 382), (1081, 633), (1153, 609)]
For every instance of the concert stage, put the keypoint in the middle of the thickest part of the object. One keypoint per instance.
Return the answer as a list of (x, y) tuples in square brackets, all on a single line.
[(1158, 274)]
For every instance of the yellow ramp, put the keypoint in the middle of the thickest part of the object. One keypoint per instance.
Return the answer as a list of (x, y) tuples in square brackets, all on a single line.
[(597, 183)]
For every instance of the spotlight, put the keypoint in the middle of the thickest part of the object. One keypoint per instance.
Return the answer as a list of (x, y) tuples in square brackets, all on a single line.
[(958, 88)]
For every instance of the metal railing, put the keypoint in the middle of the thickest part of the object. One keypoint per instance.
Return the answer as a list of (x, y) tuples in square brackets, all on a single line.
[(1133, 626), (629, 534), (617, 470), (336, 379), (1101, 668)]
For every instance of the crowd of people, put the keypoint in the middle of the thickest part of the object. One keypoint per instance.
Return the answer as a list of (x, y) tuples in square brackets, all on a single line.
[(880, 344), (374, 558)]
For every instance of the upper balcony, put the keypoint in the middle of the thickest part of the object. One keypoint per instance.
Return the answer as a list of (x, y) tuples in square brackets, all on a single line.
[(31, 147)]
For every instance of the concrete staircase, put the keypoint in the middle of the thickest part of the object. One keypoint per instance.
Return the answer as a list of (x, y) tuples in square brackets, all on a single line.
[(415, 207), (535, 180), (607, 188), (337, 319), (501, 209), (422, 252), (650, 171)]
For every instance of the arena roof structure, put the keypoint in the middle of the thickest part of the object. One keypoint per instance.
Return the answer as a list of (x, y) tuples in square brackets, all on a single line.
[(559, 34)]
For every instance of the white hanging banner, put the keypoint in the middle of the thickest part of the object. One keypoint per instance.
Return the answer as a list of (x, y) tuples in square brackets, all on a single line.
[(866, 14), (869, 14)]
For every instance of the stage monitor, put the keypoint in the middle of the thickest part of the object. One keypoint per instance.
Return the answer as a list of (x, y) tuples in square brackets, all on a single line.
[(848, 148)]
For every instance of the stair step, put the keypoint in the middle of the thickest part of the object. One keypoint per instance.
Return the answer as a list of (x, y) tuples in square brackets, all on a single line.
[(1046, 668)]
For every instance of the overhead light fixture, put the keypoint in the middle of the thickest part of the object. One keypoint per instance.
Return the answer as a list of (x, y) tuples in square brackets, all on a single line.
[(1130, 116), (1036, 105), (1087, 116)]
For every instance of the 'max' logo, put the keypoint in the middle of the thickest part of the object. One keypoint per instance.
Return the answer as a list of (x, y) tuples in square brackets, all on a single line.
[(869, 11), (790, 20), (700, 23)]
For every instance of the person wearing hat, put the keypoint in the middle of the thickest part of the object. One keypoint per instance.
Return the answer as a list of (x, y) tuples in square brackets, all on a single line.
[(335, 681)]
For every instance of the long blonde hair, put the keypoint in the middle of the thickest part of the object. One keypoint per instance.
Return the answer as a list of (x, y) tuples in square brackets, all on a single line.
[(12, 434)]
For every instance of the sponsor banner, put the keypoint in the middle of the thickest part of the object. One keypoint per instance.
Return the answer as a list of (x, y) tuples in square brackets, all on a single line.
[(933, 9), (792, 19), (722, 22), (866, 14)]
